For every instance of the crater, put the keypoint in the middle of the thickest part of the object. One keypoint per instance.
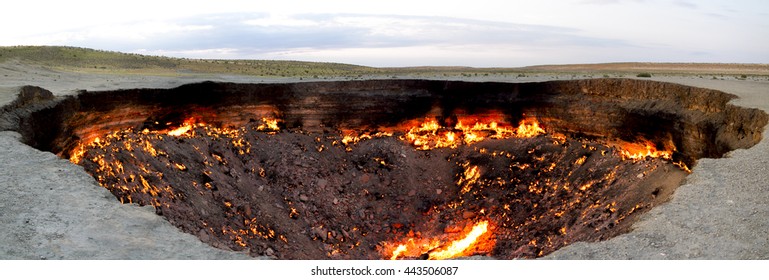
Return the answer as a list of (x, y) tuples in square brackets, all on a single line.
[(393, 169)]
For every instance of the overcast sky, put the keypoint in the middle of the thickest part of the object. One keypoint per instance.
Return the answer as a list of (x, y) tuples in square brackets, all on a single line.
[(478, 33)]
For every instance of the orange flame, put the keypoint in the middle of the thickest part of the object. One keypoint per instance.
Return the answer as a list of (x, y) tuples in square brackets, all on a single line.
[(470, 176), (268, 124), (180, 130), (646, 149), (398, 251), (430, 135), (470, 244), (642, 150), (526, 130), (77, 154), (351, 138), (458, 247), (186, 126)]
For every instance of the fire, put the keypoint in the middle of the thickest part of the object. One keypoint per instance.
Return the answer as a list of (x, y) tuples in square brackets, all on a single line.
[(464, 240), (469, 177), (398, 251), (425, 134), (430, 135), (458, 247), (180, 130), (351, 138), (472, 243), (268, 124), (529, 130), (77, 154), (186, 126), (642, 150), (646, 149)]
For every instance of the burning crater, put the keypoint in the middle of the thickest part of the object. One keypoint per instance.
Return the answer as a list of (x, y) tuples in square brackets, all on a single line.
[(394, 169)]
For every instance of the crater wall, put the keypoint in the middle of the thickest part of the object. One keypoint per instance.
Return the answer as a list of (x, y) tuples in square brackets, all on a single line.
[(695, 122)]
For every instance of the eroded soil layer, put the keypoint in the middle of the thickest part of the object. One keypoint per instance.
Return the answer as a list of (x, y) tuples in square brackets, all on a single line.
[(295, 195)]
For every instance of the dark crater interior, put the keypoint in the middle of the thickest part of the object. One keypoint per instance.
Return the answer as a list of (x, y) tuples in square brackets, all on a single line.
[(298, 191)]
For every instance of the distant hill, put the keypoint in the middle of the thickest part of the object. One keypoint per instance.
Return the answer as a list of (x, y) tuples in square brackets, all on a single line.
[(89, 60), (671, 68), (97, 61)]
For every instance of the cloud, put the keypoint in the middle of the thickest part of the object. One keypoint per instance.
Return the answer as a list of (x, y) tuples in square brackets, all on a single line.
[(391, 40), (332, 37), (686, 4), (253, 35), (609, 2)]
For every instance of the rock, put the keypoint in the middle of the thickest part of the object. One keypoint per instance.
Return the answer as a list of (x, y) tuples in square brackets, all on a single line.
[(412, 192), (319, 232), (364, 178), (468, 215), (203, 235), (269, 252), (303, 198), (321, 183)]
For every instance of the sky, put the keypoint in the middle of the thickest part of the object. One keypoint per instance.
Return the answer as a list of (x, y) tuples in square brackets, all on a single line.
[(477, 33)]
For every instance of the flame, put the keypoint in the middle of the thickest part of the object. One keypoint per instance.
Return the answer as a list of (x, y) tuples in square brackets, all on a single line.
[(352, 138), (77, 154), (435, 249), (637, 151), (398, 251), (474, 239), (424, 134), (526, 130), (646, 149), (458, 247), (470, 176), (430, 135), (186, 126), (268, 124)]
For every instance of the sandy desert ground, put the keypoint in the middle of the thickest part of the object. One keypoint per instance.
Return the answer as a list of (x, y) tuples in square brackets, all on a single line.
[(51, 209)]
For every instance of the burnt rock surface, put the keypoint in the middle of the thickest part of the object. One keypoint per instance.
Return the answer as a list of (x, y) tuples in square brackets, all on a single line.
[(295, 195), (289, 198)]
